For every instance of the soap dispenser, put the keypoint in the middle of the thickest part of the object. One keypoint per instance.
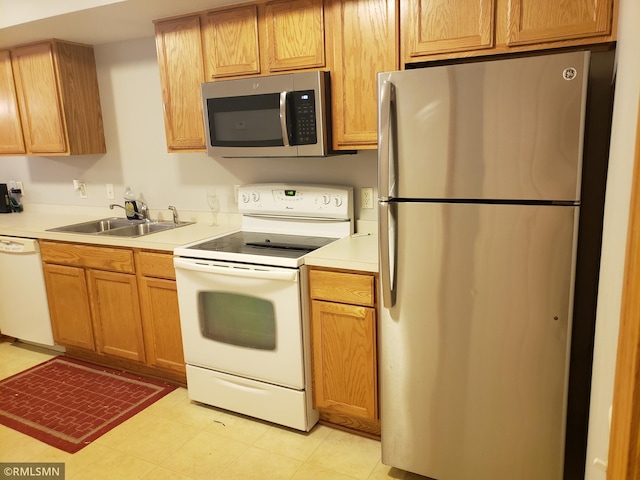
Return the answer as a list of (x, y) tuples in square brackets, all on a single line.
[(130, 204)]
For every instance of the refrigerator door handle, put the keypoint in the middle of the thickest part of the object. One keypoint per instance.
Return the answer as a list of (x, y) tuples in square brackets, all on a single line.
[(385, 125), (387, 233)]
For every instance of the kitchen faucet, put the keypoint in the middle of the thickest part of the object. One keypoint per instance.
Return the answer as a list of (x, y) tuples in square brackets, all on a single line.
[(144, 210), (175, 214)]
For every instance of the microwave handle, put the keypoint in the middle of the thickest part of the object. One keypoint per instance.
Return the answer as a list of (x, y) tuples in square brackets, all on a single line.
[(283, 118)]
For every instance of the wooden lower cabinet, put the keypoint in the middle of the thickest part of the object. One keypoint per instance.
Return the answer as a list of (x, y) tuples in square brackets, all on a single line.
[(160, 314), (69, 307), (116, 314), (108, 308), (344, 349)]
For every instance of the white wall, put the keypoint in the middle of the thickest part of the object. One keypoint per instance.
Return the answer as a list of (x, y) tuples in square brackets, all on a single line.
[(136, 151), (625, 115)]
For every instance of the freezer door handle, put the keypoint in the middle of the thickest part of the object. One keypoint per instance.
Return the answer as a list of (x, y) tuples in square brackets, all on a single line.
[(386, 234), (385, 126)]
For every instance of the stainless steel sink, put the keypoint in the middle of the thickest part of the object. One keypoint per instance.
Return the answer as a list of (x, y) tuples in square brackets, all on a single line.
[(120, 227)]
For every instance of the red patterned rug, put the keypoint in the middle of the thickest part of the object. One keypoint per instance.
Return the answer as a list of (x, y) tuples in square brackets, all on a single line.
[(68, 403)]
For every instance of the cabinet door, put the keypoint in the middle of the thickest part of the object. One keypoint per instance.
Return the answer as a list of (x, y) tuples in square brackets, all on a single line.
[(181, 72), (441, 26), (116, 309), (69, 306), (294, 35), (163, 338), (231, 42), (532, 21), (40, 107), (365, 40), (344, 358), (11, 139)]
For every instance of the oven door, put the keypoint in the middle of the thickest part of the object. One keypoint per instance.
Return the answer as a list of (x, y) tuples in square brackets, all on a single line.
[(242, 319)]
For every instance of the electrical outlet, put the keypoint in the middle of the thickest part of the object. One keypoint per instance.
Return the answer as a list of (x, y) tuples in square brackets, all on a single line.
[(20, 186), (366, 197), (110, 193), (82, 188)]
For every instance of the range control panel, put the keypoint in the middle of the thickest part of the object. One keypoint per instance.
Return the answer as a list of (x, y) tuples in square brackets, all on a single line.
[(323, 201)]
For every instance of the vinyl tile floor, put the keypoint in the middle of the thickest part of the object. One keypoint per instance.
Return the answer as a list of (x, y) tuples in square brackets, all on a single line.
[(176, 439)]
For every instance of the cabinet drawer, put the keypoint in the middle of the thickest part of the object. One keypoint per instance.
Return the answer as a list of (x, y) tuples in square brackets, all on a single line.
[(153, 264), (88, 256), (353, 288)]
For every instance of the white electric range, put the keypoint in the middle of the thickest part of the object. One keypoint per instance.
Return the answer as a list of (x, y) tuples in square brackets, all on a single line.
[(243, 308)]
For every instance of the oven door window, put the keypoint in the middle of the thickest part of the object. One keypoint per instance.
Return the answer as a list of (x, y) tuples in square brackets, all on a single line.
[(237, 319), (247, 121)]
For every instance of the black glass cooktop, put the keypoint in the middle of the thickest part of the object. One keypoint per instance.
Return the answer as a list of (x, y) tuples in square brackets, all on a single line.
[(266, 244)]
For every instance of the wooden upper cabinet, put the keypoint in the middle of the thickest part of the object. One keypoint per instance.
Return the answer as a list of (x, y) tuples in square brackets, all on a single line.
[(39, 99), (57, 90), (294, 35), (179, 47), (231, 45), (11, 139), (364, 42), (436, 26), (535, 21)]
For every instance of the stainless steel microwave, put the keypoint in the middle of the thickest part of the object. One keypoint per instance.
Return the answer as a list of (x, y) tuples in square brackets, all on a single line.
[(272, 116)]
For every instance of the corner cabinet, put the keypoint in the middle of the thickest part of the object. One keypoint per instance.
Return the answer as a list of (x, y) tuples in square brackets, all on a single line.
[(344, 349), (114, 306), (56, 88)]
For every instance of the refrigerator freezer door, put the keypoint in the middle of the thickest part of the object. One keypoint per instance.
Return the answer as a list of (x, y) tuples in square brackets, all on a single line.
[(474, 354), (503, 129)]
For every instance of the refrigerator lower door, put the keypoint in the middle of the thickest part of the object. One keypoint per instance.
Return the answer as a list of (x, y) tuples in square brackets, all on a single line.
[(474, 352)]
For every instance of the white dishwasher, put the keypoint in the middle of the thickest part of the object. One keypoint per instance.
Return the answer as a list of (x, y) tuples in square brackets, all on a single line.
[(24, 312)]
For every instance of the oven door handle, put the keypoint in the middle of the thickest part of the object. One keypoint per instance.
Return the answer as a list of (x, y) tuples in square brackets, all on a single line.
[(235, 271)]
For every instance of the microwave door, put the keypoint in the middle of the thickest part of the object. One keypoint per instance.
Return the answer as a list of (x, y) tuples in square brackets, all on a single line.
[(249, 125)]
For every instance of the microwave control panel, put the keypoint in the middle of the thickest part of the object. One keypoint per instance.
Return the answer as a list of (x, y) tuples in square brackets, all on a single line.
[(304, 116)]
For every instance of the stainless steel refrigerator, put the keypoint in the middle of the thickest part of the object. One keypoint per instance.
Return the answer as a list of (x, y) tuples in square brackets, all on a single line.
[(480, 170)]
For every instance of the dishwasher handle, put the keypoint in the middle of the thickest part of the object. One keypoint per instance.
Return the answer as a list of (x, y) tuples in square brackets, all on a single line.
[(247, 271), (18, 245)]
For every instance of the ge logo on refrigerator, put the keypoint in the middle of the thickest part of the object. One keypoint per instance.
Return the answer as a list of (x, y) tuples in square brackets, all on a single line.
[(569, 73)]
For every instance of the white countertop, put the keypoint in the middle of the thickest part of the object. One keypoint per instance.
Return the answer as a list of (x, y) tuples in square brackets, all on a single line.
[(357, 252), (35, 222)]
